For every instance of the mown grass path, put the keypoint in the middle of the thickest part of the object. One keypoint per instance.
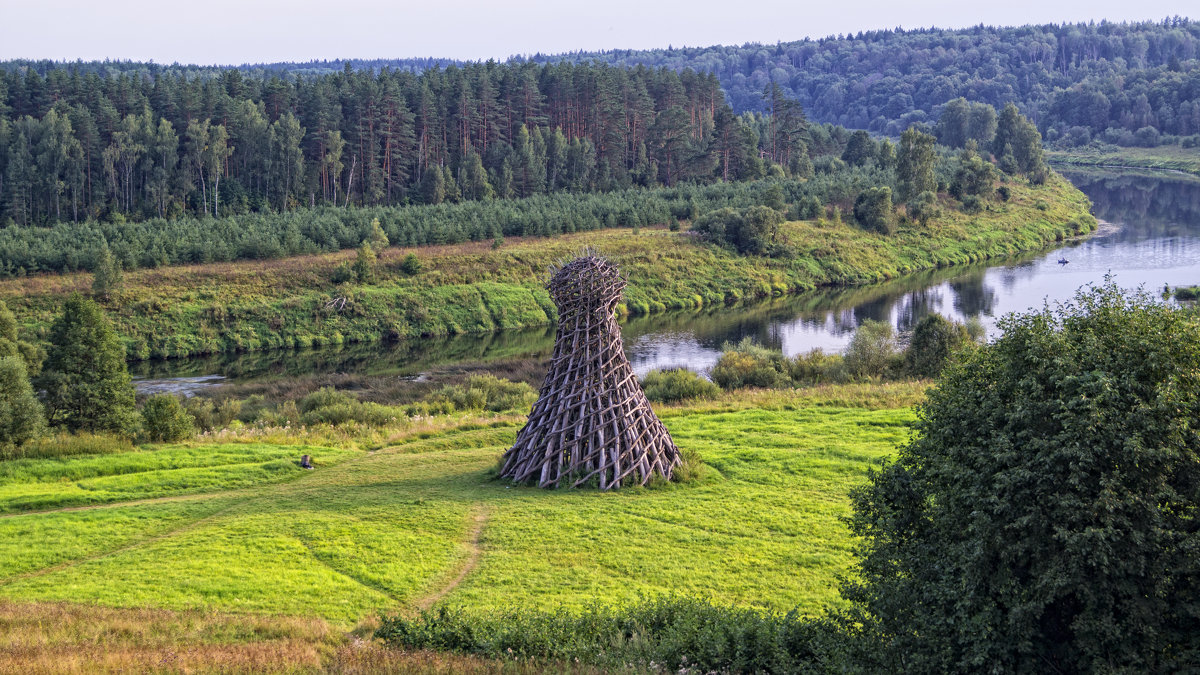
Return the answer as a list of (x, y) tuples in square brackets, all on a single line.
[(420, 523)]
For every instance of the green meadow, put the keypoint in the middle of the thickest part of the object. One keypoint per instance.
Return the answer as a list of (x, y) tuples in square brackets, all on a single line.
[(236, 526)]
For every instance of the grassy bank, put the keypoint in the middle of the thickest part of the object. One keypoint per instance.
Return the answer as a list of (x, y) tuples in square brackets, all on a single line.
[(470, 288), (1170, 157)]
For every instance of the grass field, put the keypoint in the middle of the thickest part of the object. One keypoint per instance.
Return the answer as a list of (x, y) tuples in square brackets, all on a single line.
[(473, 288), (1172, 157), (418, 521)]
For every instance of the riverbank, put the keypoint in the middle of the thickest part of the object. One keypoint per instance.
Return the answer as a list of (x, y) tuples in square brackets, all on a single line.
[(1166, 157), (478, 288)]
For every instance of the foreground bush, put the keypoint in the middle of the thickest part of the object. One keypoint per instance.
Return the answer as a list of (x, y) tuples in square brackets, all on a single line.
[(1045, 516), (677, 384), (667, 634)]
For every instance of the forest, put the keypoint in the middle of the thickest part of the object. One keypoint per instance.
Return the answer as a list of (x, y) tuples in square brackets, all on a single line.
[(76, 145), (1078, 82)]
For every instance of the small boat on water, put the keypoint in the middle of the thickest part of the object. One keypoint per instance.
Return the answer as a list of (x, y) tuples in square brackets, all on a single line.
[(1063, 261)]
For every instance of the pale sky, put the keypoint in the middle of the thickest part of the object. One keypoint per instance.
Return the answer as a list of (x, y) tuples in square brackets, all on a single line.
[(251, 31)]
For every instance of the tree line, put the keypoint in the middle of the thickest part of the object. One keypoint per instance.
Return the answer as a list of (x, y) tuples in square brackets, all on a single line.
[(1107, 79), (77, 143)]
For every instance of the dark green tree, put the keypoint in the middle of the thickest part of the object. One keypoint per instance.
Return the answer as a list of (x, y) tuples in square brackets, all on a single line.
[(860, 149), (1045, 516), (86, 383)]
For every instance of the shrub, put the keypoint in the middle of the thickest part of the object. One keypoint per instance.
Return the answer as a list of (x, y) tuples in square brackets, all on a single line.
[(364, 264), (934, 340), (748, 365), (677, 384), (1187, 293), (165, 420), (655, 635), (208, 414), (336, 408), (872, 350), (873, 210), (411, 265), (816, 367), (1044, 516), (488, 392), (922, 207), (342, 273), (749, 231)]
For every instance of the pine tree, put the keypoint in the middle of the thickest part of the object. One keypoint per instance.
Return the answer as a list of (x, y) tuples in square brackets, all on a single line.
[(86, 383)]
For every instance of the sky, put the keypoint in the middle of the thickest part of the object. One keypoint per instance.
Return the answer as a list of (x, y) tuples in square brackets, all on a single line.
[(257, 31)]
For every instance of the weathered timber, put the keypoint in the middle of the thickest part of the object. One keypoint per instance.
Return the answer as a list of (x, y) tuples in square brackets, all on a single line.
[(591, 420)]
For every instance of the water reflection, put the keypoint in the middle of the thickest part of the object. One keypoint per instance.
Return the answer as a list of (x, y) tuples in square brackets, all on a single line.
[(1152, 237)]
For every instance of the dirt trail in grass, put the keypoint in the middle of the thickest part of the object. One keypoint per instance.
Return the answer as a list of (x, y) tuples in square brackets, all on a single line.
[(473, 551)]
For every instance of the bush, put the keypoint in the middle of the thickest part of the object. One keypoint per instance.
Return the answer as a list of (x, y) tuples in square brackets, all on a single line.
[(658, 635), (934, 340), (922, 207), (336, 408), (165, 420), (411, 265), (677, 384), (749, 231), (208, 414), (1044, 518), (873, 210), (488, 392), (748, 365), (817, 367), (872, 350), (1187, 293)]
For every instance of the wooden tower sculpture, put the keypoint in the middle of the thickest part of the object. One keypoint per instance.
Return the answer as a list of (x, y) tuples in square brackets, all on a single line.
[(591, 419)]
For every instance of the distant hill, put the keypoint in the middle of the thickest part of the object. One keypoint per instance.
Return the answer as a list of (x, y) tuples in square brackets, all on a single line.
[(1077, 81)]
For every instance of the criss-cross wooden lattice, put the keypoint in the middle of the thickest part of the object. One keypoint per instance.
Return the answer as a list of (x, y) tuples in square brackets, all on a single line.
[(591, 419)]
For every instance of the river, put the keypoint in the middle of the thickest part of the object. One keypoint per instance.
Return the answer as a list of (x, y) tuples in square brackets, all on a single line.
[(1150, 236)]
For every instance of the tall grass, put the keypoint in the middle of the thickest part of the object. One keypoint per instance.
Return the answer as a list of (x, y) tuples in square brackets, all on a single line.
[(666, 634)]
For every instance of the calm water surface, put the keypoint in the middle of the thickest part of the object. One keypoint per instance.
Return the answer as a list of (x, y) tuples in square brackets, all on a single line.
[(1150, 237)]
